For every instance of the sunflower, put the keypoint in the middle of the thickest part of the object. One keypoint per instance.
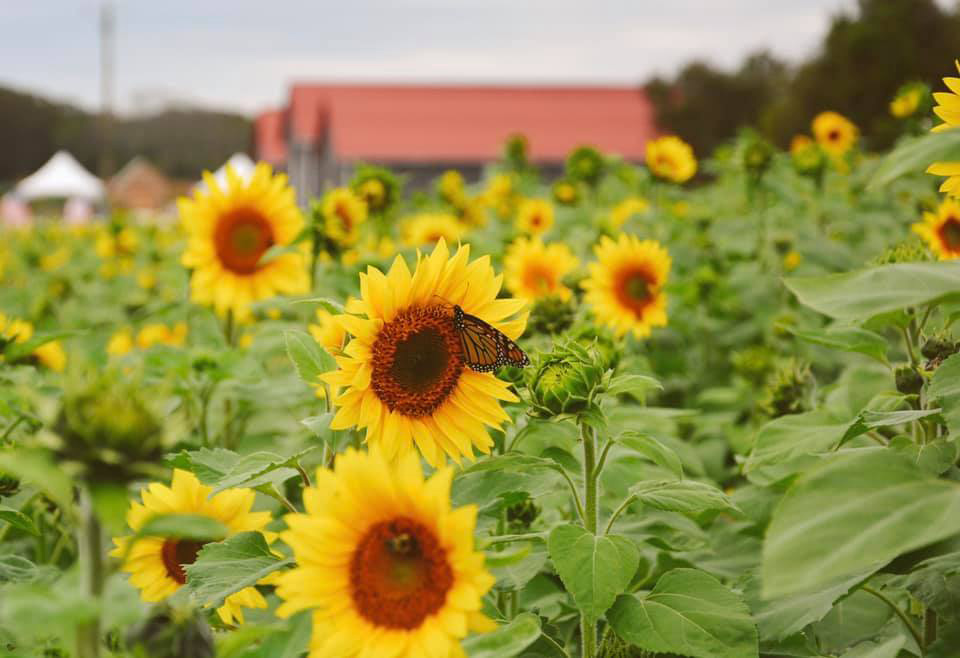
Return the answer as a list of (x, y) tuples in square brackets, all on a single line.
[(533, 270), (431, 227), (534, 216), (377, 186), (500, 194), (566, 192), (671, 158), (625, 285), (942, 230), (343, 213), (403, 372), (909, 99), (626, 209), (834, 133), (229, 230), (450, 186), (156, 564), (328, 331), (50, 354), (384, 561), (948, 109), (160, 334)]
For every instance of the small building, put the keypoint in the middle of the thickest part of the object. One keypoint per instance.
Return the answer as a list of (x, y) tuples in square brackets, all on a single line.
[(140, 186), (421, 130)]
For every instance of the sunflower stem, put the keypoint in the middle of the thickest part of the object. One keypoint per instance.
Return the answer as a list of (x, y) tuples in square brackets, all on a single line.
[(588, 629), (91, 556), (914, 631)]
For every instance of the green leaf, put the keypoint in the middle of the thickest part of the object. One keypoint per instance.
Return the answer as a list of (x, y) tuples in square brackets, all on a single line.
[(183, 526), (18, 520), (936, 583), (37, 469), (779, 618), (787, 444), (507, 641), (688, 613), (309, 359), (16, 351), (945, 387), (110, 502), (593, 569), (684, 496), (225, 469), (16, 569), (915, 155), (636, 386), (226, 567), (847, 339), (862, 294), (878, 649), (854, 512), (653, 450)]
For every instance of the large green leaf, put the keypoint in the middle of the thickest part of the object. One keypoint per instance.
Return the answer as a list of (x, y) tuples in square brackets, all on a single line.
[(685, 496), (788, 444), (653, 449), (224, 469), (689, 613), (183, 526), (847, 339), (507, 641), (593, 569), (37, 469), (18, 520), (945, 387), (915, 155), (853, 513), (862, 294), (226, 567)]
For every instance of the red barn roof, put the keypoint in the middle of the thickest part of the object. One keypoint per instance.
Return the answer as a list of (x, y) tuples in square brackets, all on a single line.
[(269, 134), (431, 123)]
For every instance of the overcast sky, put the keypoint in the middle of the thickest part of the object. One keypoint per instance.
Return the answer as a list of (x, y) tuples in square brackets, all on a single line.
[(242, 54)]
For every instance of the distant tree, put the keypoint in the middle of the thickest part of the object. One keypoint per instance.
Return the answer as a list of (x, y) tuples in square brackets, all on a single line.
[(863, 61), (707, 106)]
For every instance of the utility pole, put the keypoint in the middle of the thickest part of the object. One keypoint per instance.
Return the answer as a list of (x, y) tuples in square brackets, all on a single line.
[(106, 90)]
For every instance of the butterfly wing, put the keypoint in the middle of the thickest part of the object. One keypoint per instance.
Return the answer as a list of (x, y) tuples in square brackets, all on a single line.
[(485, 348)]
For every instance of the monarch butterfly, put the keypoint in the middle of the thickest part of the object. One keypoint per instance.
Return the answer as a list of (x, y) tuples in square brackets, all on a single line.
[(485, 348)]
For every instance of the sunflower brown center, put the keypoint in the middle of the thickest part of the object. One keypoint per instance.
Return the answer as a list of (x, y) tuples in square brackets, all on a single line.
[(417, 361), (399, 574), (950, 233), (539, 278), (241, 238), (343, 214), (833, 135), (177, 553), (635, 288)]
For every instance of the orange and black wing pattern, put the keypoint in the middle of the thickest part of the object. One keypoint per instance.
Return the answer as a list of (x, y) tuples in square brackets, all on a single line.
[(485, 348)]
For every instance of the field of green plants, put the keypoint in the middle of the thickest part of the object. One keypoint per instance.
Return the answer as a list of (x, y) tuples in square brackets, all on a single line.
[(700, 407)]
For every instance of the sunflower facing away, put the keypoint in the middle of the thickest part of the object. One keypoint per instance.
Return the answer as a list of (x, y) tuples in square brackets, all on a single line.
[(403, 374), (343, 213), (834, 133), (385, 563), (533, 270), (156, 564), (671, 158), (625, 285), (942, 230), (535, 216), (229, 230), (948, 109)]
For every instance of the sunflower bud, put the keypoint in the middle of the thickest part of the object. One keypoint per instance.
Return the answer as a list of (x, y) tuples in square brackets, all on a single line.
[(602, 342), (107, 426), (908, 251), (552, 315), (788, 390), (566, 379), (585, 164), (522, 515), (938, 347), (753, 363), (515, 152), (757, 156), (9, 485), (909, 381)]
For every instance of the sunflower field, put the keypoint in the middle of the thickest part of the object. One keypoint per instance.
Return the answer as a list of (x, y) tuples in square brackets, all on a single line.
[(704, 408)]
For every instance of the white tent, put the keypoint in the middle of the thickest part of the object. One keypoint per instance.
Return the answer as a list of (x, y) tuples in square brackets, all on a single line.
[(241, 164), (61, 177)]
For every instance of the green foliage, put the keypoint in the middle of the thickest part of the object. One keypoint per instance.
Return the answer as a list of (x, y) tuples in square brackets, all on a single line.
[(226, 567)]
